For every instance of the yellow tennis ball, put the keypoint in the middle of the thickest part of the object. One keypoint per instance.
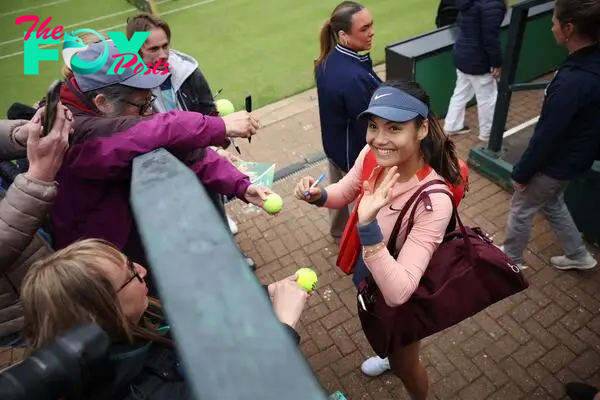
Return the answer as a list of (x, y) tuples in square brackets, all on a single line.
[(273, 203), (224, 107), (307, 278)]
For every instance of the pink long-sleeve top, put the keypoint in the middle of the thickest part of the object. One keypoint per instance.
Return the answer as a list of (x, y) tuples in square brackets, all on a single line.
[(398, 278)]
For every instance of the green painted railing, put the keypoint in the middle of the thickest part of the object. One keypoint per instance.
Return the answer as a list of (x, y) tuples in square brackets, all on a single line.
[(231, 344)]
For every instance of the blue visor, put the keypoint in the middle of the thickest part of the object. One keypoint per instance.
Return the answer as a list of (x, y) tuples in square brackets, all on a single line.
[(395, 105)]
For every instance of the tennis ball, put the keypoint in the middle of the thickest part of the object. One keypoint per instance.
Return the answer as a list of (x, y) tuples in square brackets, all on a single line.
[(224, 107), (307, 278), (273, 203)]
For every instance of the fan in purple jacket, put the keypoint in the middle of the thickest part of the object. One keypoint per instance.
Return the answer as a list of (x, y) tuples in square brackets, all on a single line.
[(112, 126)]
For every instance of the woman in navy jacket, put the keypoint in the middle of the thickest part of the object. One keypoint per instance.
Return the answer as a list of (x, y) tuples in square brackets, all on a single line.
[(566, 140), (345, 83), (478, 59)]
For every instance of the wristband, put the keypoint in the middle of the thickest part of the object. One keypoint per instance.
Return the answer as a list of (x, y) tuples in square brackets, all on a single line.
[(370, 234), (322, 200)]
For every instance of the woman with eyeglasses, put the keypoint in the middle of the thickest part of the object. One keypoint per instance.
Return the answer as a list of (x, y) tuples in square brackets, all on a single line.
[(113, 125), (91, 281)]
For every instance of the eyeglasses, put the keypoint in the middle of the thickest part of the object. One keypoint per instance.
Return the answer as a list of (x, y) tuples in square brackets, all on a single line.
[(136, 275), (142, 107)]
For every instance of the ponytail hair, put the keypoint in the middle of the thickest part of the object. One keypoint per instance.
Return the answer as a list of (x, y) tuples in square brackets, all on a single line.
[(437, 148), (340, 20), (327, 41), (439, 151)]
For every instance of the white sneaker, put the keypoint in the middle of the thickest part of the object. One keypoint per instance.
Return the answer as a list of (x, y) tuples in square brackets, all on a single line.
[(484, 138), (564, 262), (375, 366), (232, 225), (465, 129)]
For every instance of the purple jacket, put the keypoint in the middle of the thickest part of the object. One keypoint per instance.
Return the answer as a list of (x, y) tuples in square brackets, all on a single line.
[(95, 178)]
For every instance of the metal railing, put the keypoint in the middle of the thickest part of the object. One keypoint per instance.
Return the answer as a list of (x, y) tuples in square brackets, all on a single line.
[(507, 85)]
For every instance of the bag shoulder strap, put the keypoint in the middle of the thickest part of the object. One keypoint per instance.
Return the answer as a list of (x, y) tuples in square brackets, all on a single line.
[(411, 219), (391, 245), (454, 219), (369, 164), (350, 243)]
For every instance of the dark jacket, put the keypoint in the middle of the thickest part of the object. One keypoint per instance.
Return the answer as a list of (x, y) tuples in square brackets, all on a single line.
[(345, 83), (95, 177), (477, 48), (447, 13), (150, 371), (566, 140)]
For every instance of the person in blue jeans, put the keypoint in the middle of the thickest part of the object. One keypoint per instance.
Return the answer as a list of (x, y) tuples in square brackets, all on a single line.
[(566, 140)]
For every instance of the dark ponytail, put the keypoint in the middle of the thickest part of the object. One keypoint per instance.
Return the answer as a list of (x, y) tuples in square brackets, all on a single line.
[(439, 151), (340, 20), (437, 148), (327, 42)]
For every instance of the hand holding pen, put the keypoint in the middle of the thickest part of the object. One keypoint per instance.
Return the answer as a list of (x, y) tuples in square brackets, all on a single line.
[(308, 189)]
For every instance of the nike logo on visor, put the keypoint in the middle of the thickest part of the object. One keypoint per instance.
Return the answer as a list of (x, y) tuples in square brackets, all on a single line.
[(377, 97)]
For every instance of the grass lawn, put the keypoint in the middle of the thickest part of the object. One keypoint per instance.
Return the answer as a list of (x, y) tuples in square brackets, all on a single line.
[(262, 47)]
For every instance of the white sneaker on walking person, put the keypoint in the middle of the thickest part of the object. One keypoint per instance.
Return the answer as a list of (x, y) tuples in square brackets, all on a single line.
[(485, 90), (565, 263), (375, 366), (465, 129)]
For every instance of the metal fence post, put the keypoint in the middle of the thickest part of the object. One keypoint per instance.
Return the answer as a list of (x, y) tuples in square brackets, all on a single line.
[(512, 53)]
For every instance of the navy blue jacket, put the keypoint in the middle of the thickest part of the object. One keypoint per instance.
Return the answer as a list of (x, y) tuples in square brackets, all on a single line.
[(477, 48), (345, 83), (566, 140)]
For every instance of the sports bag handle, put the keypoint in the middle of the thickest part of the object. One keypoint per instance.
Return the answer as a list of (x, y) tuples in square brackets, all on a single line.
[(391, 246), (455, 216)]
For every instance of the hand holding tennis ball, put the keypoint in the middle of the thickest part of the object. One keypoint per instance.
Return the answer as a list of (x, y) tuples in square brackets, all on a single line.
[(264, 198), (224, 107), (288, 299), (307, 278), (273, 203)]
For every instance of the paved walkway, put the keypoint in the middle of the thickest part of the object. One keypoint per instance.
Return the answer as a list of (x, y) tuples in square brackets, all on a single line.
[(522, 348)]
